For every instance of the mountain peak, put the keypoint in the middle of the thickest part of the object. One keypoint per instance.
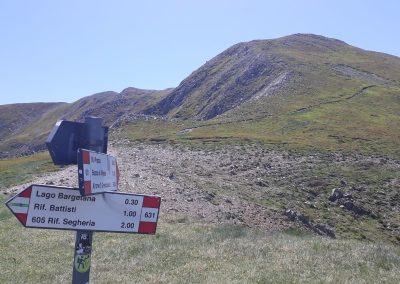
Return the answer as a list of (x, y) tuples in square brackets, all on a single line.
[(312, 43), (313, 37), (133, 90), (258, 69)]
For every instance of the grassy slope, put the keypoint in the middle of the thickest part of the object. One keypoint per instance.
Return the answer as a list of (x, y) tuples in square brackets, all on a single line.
[(28, 122), (38, 131), (321, 110), (368, 124), (332, 119), (183, 250), (19, 170)]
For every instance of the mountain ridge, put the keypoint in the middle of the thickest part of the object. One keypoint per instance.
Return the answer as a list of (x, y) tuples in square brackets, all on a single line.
[(289, 78), (245, 69), (33, 123)]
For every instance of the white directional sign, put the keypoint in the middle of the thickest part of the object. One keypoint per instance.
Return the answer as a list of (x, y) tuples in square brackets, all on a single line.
[(52, 207), (97, 172)]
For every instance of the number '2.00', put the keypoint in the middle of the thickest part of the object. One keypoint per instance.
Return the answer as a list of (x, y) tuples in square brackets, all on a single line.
[(127, 225)]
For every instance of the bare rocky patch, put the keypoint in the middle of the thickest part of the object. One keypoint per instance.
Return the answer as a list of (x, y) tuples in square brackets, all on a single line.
[(331, 194)]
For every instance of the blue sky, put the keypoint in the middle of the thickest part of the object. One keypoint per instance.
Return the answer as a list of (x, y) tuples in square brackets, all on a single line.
[(67, 49)]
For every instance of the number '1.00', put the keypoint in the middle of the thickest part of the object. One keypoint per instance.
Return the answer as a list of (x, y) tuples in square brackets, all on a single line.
[(130, 213)]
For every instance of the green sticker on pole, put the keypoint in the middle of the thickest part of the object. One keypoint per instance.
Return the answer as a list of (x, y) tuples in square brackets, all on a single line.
[(82, 263)]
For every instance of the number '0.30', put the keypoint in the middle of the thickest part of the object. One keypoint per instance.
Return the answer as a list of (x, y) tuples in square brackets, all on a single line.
[(129, 201)]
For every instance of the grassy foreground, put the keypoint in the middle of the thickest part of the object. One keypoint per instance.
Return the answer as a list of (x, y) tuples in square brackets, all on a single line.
[(187, 252)]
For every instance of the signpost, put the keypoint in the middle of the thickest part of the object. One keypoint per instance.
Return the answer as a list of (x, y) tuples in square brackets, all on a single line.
[(53, 207), (97, 172), (95, 205)]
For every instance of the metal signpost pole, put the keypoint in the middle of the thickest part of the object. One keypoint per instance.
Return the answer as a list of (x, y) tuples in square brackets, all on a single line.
[(93, 139)]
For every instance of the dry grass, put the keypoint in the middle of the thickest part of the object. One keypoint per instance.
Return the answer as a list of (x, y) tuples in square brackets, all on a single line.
[(187, 252)]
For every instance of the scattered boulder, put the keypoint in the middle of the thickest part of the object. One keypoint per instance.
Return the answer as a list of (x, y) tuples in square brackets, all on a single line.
[(335, 195), (321, 229), (227, 200), (358, 188), (209, 196), (347, 195), (230, 215), (303, 218), (310, 204), (355, 208), (261, 182), (291, 214), (345, 200), (324, 229)]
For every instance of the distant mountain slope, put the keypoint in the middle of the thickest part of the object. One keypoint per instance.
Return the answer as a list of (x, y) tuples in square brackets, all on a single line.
[(111, 105), (24, 127), (300, 64), (16, 117)]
